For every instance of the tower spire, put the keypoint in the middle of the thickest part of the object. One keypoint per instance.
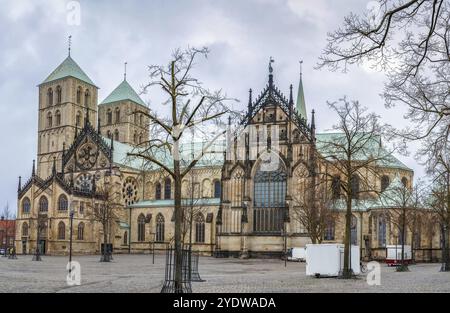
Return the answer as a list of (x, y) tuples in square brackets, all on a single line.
[(291, 100), (70, 43), (249, 106), (301, 105), (20, 184), (125, 71), (33, 171)]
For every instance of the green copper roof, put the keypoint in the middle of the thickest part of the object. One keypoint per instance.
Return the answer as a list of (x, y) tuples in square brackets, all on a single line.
[(373, 148), (123, 92), (301, 105), (68, 68)]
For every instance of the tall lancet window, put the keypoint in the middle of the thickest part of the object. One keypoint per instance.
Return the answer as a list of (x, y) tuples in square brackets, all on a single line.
[(269, 197)]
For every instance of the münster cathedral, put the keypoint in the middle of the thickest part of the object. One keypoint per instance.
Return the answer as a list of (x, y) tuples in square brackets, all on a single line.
[(241, 209)]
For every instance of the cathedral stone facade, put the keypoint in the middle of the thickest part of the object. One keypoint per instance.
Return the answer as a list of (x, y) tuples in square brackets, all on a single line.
[(237, 206)]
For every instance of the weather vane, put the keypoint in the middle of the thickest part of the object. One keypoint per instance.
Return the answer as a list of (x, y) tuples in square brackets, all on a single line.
[(271, 60), (70, 43), (125, 72)]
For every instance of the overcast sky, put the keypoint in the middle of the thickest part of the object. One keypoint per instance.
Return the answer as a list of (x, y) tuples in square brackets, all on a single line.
[(241, 35)]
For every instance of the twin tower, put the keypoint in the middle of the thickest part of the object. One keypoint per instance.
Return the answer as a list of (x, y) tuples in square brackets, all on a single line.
[(68, 99)]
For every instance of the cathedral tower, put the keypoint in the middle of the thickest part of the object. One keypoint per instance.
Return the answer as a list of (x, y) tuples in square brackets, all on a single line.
[(66, 97), (123, 116)]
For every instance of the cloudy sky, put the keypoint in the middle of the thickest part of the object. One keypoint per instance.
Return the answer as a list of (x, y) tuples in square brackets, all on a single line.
[(241, 35)]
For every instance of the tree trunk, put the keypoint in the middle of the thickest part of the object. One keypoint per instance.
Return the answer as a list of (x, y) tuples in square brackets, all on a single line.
[(178, 221), (347, 271), (105, 255)]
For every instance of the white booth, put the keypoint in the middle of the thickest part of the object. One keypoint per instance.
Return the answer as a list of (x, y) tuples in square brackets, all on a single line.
[(297, 254), (328, 259), (394, 254)]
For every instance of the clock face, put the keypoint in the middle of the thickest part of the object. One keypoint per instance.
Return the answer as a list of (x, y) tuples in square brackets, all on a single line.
[(84, 182), (87, 156), (129, 191)]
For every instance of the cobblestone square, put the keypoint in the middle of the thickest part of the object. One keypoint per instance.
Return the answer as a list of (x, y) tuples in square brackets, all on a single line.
[(136, 273)]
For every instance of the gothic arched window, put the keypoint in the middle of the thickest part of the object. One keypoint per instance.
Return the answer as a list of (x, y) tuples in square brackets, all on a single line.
[(58, 118), (116, 135), (62, 203), (26, 205), (135, 137), (79, 91), (50, 96), (217, 189), (381, 231), (167, 188), (109, 117), (160, 228), (61, 230), (329, 230), (269, 199), (117, 115), (49, 119), (199, 228), (43, 204), (336, 187), (158, 191), (384, 182), (141, 227), (25, 229), (58, 94), (140, 120), (80, 233), (86, 98), (355, 182)]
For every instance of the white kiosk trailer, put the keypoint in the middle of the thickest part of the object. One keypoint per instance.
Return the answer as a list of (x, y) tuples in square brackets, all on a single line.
[(297, 254), (394, 255), (327, 260)]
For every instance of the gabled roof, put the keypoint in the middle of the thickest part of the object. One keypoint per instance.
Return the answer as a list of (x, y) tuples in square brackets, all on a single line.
[(123, 92), (68, 68)]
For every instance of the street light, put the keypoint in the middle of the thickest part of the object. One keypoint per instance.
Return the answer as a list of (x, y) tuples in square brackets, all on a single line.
[(72, 211)]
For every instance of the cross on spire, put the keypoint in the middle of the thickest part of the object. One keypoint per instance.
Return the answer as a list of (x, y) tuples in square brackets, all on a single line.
[(301, 63), (125, 71), (70, 43)]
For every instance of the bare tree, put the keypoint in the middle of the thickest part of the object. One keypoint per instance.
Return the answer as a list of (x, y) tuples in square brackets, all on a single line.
[(410, 40), (190, 106), (354, 156), (7, 217), (403, 205), (315, 218), (104, 208)]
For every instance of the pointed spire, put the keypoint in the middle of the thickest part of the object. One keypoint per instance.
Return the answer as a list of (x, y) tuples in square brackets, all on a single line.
[(33, 171), (291, 101), (125, 71), (249, 107), (313, 125), (271, 60), (54, 166), (20, 184), (301, 105), (70, 43)]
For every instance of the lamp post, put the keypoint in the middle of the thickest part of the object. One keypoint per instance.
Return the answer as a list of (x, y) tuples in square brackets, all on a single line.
[(72, 211)]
